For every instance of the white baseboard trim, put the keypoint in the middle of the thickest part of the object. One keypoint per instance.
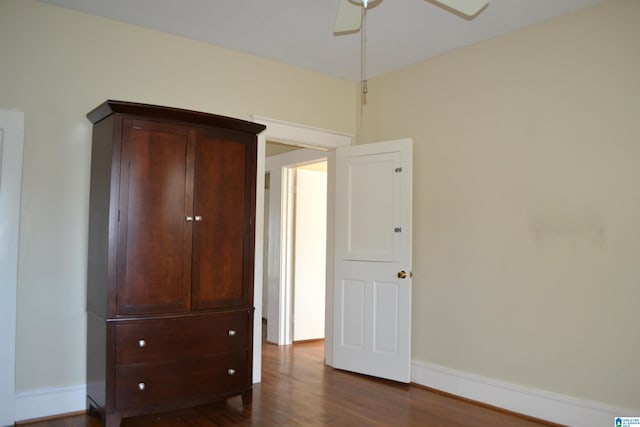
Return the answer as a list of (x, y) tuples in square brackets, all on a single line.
[(48, 402), (536, 403)]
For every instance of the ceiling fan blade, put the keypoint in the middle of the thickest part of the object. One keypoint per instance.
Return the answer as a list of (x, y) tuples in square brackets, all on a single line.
[(349, 18), (466, 7)]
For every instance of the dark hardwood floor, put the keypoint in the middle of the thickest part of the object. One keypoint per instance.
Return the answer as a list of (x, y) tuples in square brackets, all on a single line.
[(297, 389)]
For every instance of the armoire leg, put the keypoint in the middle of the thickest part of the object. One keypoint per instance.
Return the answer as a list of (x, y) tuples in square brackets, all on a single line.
[(247, 397), (112, 420), (92, 411)]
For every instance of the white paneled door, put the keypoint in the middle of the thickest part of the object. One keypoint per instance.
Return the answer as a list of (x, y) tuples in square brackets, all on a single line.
[(372, 294), (11, 143)]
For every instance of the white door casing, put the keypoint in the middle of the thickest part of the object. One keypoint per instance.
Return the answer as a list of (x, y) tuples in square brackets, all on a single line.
[(11, 149), (372, 303), (304, 136)]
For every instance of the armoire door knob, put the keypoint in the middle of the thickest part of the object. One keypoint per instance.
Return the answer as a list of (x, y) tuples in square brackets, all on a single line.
[(189, 218)]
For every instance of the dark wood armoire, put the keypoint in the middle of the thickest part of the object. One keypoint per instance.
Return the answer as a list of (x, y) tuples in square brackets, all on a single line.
[(170, 262)]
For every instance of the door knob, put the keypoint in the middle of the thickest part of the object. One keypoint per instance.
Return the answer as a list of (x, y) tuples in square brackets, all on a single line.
[(402, 274)]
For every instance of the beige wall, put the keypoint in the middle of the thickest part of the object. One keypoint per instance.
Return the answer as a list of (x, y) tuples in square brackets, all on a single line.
[(527, 203), (56, 65)]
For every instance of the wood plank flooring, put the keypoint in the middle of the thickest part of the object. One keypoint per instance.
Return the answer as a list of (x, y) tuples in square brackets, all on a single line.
[(299, 390)]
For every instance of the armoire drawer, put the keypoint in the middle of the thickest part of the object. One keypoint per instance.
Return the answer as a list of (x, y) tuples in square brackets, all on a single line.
[(145, 341), (158, 383)]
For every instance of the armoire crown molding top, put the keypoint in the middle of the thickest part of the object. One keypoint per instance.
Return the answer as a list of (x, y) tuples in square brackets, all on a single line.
[(110, 107)]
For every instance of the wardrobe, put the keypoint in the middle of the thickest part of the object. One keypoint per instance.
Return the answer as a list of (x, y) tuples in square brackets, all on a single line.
[(170, 259)]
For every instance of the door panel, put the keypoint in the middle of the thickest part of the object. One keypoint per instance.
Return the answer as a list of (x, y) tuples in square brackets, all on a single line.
[(153, 234), (371, 218), (386, 317), (372, 303), (222, 239), (353, 310)]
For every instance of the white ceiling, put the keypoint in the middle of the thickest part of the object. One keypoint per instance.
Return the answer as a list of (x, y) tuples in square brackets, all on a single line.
[(300, 32)]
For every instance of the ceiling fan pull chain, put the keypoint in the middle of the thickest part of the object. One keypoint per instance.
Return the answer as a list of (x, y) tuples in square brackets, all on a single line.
[(363, 57)]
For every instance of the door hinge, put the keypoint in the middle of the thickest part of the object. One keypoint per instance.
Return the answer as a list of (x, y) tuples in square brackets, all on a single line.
[(118, 215), (398, 170)]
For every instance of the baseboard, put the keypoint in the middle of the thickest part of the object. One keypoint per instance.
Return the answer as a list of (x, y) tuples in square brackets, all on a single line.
[(535, 403), (41, 403)]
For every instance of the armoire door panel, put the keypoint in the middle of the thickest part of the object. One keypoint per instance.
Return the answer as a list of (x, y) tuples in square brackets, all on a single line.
[(221, 210), (153, 268)]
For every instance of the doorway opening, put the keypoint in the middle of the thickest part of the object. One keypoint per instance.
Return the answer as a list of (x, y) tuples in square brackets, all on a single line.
[(298, 135), (295, 230), (309, 251)]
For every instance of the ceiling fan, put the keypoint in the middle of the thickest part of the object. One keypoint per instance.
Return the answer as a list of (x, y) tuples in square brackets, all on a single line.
[(351, 12), (352, 16)]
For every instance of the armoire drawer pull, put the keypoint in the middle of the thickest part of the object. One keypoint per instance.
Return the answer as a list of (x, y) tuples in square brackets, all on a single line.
[(231, 371), (142, 343), (141, 386), (232, 333)]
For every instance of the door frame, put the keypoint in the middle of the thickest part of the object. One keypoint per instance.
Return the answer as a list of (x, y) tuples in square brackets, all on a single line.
[(11, 155), (299, 135), (282, 169)]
